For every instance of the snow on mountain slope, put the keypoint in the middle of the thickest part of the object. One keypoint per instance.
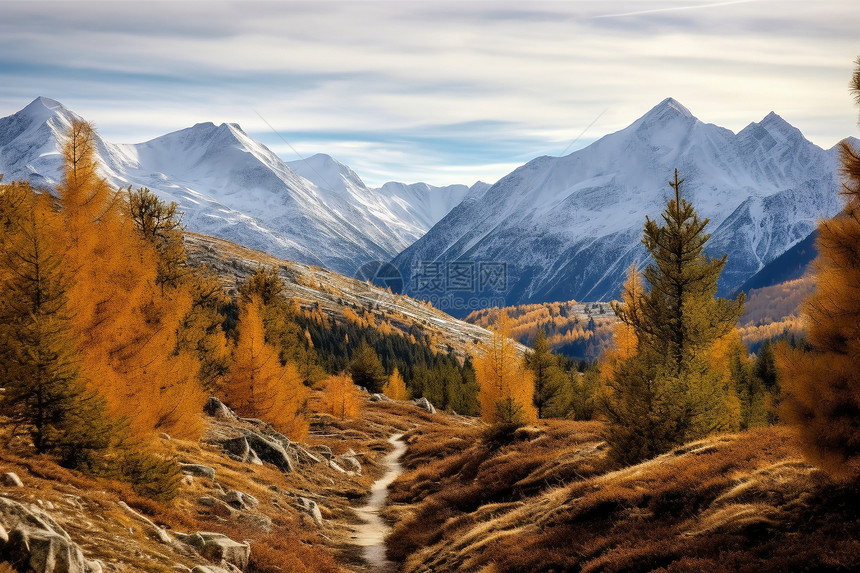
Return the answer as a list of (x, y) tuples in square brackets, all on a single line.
[(230, 186), (409, 209), (569, 227)]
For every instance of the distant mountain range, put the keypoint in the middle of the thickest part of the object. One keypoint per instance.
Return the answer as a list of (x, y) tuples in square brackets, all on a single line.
[(557, 228), (316, 211), (569, 227)]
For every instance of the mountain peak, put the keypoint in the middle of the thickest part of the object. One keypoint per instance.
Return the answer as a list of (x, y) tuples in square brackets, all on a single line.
[(775, 121), (45, 102), (42, 108), (774, 125), (670, 107)]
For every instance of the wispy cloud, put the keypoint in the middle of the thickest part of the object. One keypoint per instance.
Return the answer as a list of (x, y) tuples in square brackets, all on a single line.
[(676, 8), (432, 90)]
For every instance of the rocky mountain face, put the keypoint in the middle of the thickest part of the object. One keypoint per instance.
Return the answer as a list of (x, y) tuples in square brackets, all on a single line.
[(314, 211), (569, 227)]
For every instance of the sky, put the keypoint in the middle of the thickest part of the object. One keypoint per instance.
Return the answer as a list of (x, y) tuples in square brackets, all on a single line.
[(430, 90)]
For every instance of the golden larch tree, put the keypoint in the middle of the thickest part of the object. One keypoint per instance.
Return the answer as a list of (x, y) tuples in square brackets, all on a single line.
[(125, 324), (258, 385), (395, 388), (506, 386), (341, 397), (45, 396), (821, 388)]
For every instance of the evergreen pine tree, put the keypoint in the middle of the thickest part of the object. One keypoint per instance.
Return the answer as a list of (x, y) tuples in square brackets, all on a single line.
[(549, 378), (366, 368), (668, 392)]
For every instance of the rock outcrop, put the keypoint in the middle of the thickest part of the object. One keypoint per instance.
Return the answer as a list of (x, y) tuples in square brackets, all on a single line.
[(425, 405), (219, 548), (216, 408), (32, 541)]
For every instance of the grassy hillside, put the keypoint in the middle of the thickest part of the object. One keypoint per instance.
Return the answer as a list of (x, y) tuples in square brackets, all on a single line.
[(736, 502), (338, 297)]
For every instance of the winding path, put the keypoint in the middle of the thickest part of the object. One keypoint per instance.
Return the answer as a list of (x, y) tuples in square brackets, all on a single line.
[(370, 535)]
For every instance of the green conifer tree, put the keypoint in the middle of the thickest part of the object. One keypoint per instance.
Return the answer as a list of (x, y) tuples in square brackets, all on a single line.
[(549, 377), (366, 368), (667, 392)]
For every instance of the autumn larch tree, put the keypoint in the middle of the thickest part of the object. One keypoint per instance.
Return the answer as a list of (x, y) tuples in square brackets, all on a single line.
[(159, 224), (258, 385), (821, 388), (395, 387), (200, 331), (282, 330), (45, 393), (341, 398), (124, 323), (667, 392), (506, 386)]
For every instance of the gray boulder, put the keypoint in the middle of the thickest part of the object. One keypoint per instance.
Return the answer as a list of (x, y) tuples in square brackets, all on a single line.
[(217, 547), (322, 450), (207, 501), (380, 398), (425, 405), (12, 479), (32, 541), (311, 508), (240, 499), (197, 470), (305, 456), (269, 451), (240, 451), (351, 464), (216, 408)]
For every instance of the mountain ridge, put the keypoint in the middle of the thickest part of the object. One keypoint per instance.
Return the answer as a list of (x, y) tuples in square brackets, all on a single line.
[(569, 227), (228, 185)]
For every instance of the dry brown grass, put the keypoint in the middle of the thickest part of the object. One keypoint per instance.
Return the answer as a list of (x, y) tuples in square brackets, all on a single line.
[(743, 502), (456, 474)]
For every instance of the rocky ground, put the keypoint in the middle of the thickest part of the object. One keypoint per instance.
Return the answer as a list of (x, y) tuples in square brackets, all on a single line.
[(251, 501)]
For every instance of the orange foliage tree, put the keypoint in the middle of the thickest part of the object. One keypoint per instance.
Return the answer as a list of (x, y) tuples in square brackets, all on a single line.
[(45, 396), (258, 385), (821, 388), (506, 386), (395, 388), (341, 398), (125, 325)]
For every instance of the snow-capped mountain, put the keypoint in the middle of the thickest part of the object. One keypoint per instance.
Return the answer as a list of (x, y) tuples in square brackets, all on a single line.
[(230, 186), (569, 227), (408, 210)]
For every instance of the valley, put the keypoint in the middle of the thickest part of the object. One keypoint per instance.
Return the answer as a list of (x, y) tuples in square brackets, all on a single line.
[(206, 407)]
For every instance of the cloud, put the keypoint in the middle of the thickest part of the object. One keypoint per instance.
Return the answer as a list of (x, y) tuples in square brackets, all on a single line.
[(430, 89)]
